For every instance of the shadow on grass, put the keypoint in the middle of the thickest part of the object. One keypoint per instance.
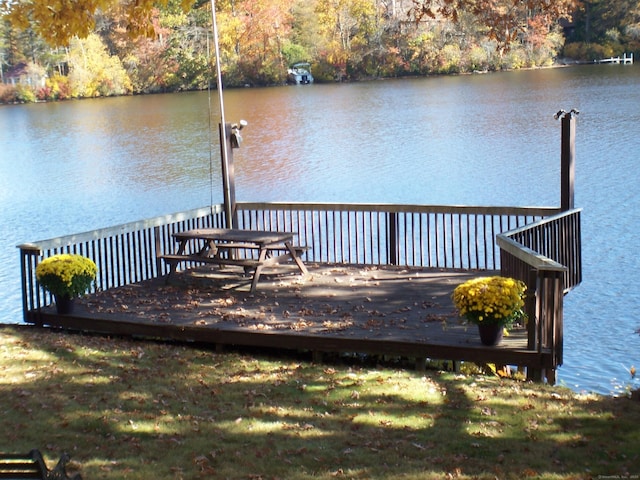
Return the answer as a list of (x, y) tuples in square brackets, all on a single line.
[(128, 409)]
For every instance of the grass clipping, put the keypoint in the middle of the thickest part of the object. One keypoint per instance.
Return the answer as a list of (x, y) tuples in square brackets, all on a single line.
[(140, 410)]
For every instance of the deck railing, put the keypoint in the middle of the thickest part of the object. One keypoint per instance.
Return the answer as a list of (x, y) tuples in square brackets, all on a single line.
[(455, 237), (449, 237), (546, 255), (124, 254)]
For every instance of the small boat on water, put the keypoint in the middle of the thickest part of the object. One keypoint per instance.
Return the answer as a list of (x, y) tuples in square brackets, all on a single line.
[(299, 74)]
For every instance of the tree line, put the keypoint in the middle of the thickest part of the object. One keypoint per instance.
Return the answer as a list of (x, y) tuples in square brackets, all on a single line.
[(59, 49)]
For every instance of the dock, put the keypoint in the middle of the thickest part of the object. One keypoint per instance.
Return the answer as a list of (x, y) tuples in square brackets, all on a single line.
[(379, 281), (624, 60)]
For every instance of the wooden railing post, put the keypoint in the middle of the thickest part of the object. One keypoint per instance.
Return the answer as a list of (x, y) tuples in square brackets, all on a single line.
[(550, 309), (392, 235), (157, 247), (29, 254), (557, 292), (531, 310)]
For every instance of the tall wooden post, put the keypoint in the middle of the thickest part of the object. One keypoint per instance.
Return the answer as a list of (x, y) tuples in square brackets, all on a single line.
[(228, 177), (567, 159)]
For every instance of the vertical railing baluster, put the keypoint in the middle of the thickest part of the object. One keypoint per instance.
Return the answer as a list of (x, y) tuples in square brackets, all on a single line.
[(392, 237)]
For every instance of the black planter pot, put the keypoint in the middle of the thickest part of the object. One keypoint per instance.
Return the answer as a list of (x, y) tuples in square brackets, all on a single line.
[(490, 335), (64, 304)]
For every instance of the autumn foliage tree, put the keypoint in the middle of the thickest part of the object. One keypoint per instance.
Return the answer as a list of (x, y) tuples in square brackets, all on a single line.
[(505, 20), (252, 33), (95, 72), (58, 21), (166, 45)]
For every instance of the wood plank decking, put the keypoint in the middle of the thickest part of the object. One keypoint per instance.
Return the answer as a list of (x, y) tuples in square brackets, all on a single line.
[(398, 311)]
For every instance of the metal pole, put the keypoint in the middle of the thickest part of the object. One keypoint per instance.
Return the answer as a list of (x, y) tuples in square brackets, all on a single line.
[(224, 148)]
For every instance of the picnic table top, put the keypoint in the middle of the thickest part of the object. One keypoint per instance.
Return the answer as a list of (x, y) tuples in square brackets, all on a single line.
[(258, 237)]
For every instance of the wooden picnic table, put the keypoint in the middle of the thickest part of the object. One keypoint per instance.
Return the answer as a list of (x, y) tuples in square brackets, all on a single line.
[(224, 246)]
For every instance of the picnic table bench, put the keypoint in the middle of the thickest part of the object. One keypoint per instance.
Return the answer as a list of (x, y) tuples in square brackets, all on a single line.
[(31, 465), (251, 249)]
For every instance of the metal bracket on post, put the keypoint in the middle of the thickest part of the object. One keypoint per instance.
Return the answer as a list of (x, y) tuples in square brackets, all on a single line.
[(567, 158), (230, 138), (236, 136)]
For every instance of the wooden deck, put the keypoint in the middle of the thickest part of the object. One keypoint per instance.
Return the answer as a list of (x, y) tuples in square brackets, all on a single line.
[(399, 311)]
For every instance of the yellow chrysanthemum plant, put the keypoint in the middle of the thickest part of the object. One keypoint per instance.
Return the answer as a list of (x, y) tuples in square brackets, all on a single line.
[(491, 300), (66, 274)]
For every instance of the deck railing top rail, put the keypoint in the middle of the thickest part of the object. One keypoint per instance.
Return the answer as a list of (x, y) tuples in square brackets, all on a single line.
[(542, 222), (531, 257), (130, 227), (539, 211), (552, 243), (139, 225)]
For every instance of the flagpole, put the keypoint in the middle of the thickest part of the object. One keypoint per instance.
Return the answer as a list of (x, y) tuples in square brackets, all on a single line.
[(223, 126)]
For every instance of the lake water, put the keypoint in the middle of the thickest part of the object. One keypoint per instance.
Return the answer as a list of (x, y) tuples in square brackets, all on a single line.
[(474, 140)]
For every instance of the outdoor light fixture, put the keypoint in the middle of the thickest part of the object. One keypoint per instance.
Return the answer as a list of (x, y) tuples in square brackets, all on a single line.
[(240, 125), (236, 138), (562, 113)]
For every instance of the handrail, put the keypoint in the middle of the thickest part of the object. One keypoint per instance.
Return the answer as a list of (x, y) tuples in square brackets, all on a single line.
[(546, 255), (527, 255), (538, 211), (139, 225), (124, 254), (555, 241), (435, 236)]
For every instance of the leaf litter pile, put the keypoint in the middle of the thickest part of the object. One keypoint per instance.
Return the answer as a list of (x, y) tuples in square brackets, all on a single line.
[(126, 409)]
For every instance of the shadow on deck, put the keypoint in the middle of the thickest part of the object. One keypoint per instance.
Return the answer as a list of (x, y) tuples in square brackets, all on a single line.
[(405, 312)]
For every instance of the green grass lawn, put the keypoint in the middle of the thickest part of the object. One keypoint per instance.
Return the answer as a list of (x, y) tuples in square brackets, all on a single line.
[(141, 410)]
